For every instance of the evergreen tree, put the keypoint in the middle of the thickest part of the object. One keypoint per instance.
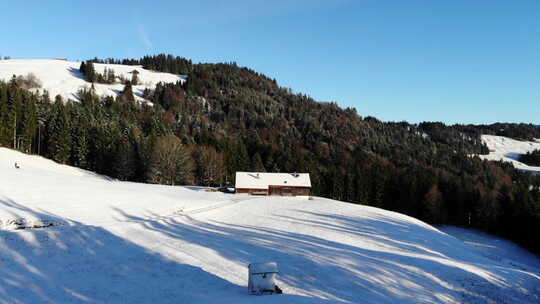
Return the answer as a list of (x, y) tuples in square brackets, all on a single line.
[(242, 160), (90, 72), (134, 77), (257, 163), (433, 203), (59, 143), (6, 118), (127, 93), (82, 68), (124, 166), (28, 124), (111, 77), (80, 151)]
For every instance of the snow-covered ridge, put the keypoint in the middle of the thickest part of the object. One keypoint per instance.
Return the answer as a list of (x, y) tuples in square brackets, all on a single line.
[(122, 242), (508, 149), (61, 77)]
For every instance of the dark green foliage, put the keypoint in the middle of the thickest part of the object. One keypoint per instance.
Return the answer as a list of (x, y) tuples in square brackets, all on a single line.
[(531, 158), (134, 77), (82, 68), (518, 131), (162, 62), (242, 161), (18, 116), (257, 164), (127, 93), (88, 70), (59, 134)]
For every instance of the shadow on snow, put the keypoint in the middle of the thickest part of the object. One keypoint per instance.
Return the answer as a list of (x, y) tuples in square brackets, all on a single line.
[(346, 273), (88, 264)]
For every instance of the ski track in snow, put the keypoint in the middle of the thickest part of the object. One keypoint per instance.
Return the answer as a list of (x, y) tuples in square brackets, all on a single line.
[(122, 242)]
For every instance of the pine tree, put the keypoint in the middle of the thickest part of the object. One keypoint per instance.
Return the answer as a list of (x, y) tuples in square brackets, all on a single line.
[(28, 124), (82, 68), (127, 93), (134, 77), (80, 150), (433, 205), (242, 161), (90, 72), (257, 163), (59, 142), (124, 165), (111, 77), (6, 118)]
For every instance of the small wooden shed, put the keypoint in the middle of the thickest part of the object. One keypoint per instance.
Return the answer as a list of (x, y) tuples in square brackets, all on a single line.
[(262, 183)]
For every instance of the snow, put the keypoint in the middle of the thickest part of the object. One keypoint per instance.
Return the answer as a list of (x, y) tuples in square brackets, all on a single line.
[(61, 77), (263, 267), (508, 149), (254, 180), (121, 242)]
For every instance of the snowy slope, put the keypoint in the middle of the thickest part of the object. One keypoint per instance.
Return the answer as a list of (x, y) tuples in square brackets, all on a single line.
[(118, 242), (63, 78), (507, 149)]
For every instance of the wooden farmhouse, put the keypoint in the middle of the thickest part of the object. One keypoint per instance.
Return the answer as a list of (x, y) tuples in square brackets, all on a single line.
[(285, 184)]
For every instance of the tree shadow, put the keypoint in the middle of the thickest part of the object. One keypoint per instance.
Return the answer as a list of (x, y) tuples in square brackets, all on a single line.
[(28, 218), (89, 264), (404, 273), (76, 73)]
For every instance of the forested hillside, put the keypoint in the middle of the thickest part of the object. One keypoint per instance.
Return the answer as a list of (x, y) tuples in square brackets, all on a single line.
[(227, 118)]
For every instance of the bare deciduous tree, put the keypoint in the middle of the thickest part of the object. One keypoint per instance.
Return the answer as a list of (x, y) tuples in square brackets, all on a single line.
[(169, 162), (209, 166)]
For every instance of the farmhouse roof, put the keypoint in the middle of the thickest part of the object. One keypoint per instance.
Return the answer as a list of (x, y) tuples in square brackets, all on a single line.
[(259, 180)]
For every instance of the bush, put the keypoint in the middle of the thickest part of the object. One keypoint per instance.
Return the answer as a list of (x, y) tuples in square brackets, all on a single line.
[(29, 81)]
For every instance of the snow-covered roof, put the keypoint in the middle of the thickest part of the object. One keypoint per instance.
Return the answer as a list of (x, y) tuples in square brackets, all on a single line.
[(266, 267), (258, 180)]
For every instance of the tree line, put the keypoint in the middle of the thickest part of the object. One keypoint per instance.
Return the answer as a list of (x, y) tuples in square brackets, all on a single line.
[(531, 158), (107, 77)]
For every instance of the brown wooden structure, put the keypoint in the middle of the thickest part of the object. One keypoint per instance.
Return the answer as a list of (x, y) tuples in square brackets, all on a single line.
[(281, 184)]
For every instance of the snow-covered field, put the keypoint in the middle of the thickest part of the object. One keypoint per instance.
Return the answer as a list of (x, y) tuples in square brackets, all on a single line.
[(120, 242), (508, 149), (63, 78)]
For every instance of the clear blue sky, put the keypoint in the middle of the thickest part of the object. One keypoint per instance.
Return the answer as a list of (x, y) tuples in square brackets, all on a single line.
[(459, 61)]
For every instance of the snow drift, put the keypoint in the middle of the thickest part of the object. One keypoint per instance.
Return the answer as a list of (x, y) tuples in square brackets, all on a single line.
[(122, 242)]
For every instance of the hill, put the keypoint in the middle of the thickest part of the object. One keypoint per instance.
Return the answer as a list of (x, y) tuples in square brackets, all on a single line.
[(226, 118), (61, 77), (118, 242), (510, 150)]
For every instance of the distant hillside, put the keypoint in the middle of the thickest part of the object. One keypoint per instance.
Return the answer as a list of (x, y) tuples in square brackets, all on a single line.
[(61, 77), (515, 151), (226, 118)]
